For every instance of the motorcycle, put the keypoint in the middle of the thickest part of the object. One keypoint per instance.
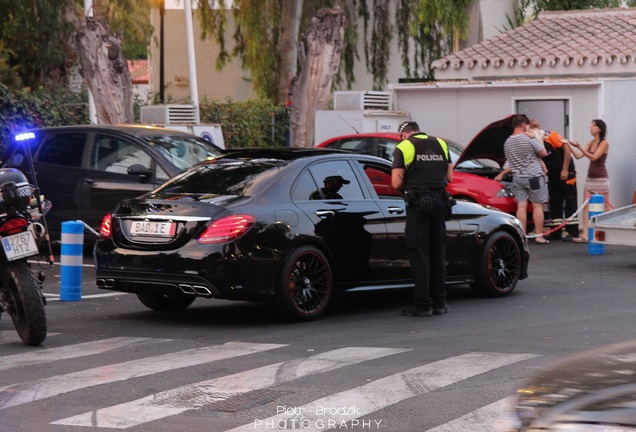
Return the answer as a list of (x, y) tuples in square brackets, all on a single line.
[(23, 235)]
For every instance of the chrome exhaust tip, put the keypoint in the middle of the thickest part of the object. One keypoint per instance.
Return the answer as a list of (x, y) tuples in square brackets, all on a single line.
[(202, 291), (187, 289)]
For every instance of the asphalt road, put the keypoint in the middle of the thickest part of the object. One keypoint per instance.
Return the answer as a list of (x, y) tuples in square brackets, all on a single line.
[(234, 366)]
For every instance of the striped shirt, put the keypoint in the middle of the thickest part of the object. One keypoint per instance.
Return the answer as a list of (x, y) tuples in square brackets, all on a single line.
[(521, 152)]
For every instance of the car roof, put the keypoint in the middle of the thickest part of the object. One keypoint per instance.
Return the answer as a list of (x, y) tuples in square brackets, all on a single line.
[(284, 153), (130, 129), (389, 135)]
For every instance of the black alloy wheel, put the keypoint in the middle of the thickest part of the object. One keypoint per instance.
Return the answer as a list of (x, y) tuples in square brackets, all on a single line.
[(500, 266), (305, 285)]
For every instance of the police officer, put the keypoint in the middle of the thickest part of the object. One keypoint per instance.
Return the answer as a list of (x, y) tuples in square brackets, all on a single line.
[(421, 170)]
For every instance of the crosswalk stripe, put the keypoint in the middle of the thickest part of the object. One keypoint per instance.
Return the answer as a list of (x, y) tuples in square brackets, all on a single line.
[(56, 297), (197, 395), (31, 391), (340, 409), (46, 355), (485, 419)]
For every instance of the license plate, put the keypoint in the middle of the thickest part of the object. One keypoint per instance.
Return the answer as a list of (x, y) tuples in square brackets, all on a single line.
[(20, 245), (152, 229)]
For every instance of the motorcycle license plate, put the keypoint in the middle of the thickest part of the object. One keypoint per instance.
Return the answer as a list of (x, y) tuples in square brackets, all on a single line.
[(20, 245), (152, 229)]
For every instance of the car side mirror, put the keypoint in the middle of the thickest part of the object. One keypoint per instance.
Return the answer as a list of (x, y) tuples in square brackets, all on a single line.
[(139, 170)]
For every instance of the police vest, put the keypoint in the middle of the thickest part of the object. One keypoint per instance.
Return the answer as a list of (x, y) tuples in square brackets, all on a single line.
[(426, 161)]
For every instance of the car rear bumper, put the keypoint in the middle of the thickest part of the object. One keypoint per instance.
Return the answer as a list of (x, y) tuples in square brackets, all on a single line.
[(145, 282), (237, 278)]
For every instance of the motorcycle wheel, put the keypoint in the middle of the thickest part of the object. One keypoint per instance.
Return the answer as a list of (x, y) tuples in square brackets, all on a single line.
[(23, 302)]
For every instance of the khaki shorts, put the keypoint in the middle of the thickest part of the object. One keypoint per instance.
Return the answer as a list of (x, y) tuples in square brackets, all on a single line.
[(533, 189)]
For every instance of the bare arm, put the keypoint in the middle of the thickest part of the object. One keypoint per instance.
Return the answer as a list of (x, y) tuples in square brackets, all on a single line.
[(567, 155), (501, 175), (449, 173), (601, 149), (397, 178), (575, 148)]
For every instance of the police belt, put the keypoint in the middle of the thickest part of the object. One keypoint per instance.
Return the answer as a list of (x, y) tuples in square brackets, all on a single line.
[(418, 190), (413, 194)]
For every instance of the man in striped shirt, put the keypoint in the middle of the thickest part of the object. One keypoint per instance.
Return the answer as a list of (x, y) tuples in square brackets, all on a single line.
[(522, 150)]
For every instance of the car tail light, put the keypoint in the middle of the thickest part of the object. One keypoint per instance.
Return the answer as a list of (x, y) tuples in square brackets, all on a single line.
[(226, 229), (105, 229), (13, 226)]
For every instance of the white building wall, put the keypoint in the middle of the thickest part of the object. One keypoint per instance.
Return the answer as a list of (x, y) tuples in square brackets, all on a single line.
[(616, 110), (459, 112)]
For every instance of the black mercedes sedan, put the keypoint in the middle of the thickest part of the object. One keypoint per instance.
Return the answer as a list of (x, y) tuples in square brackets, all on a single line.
[(292, 226)]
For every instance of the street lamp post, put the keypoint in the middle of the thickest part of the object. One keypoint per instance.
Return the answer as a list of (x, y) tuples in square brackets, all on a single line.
[(162, 13)]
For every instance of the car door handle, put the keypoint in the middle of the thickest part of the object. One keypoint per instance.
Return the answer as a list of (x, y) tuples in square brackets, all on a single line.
[(89, 180), (324, 214), (395, 210)]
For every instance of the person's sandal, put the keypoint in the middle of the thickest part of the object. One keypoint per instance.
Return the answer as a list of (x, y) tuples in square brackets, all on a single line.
[(541, 240), (579, 240)]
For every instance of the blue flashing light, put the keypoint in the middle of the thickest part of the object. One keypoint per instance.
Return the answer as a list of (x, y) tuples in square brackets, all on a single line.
[(25, 136)]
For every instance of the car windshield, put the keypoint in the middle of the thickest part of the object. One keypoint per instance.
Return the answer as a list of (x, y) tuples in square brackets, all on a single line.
[(183, 151), (221, 178)]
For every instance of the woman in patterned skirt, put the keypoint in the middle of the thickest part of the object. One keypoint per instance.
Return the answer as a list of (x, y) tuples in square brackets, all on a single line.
[(597, 181)]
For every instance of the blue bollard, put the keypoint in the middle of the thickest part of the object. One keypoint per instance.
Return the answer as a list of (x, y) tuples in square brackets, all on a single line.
[(71, 260), (596, 206)]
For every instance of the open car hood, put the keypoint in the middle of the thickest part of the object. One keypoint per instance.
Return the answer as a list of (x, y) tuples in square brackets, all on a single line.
[(489, 143)]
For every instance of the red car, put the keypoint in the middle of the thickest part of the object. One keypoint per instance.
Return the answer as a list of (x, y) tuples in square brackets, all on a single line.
[(472, 179)]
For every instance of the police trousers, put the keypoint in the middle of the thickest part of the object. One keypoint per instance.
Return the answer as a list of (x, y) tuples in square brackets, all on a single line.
[(425, 237)]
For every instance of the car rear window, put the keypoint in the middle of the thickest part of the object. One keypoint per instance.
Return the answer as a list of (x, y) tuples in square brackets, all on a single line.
[(223, 177), (183, 151)]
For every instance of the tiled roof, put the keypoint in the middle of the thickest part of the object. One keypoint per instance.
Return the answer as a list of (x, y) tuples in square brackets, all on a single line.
[(563, 44), (138, 71)]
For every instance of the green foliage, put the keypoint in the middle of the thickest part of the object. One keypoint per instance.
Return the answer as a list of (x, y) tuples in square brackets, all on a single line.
[(38, 35), (254, 123), (132, 19), (378, 50), (560, 5), (433, 27), (8, 74), (256, 44), (38, 39), (24, 110), (528, 10)]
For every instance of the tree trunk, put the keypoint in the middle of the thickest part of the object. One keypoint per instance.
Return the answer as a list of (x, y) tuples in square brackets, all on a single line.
[(311, 89), (105, 71), (288, 37)]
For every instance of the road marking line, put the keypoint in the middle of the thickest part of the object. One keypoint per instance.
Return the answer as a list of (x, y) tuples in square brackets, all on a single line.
[(485, 419), (197, 395), (56, 297), (48, 266), (18, 394), (73, 351), (379, 394)]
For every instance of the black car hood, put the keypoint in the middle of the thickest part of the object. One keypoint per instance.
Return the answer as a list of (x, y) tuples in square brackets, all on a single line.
[(596, 387), (489, 143)]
